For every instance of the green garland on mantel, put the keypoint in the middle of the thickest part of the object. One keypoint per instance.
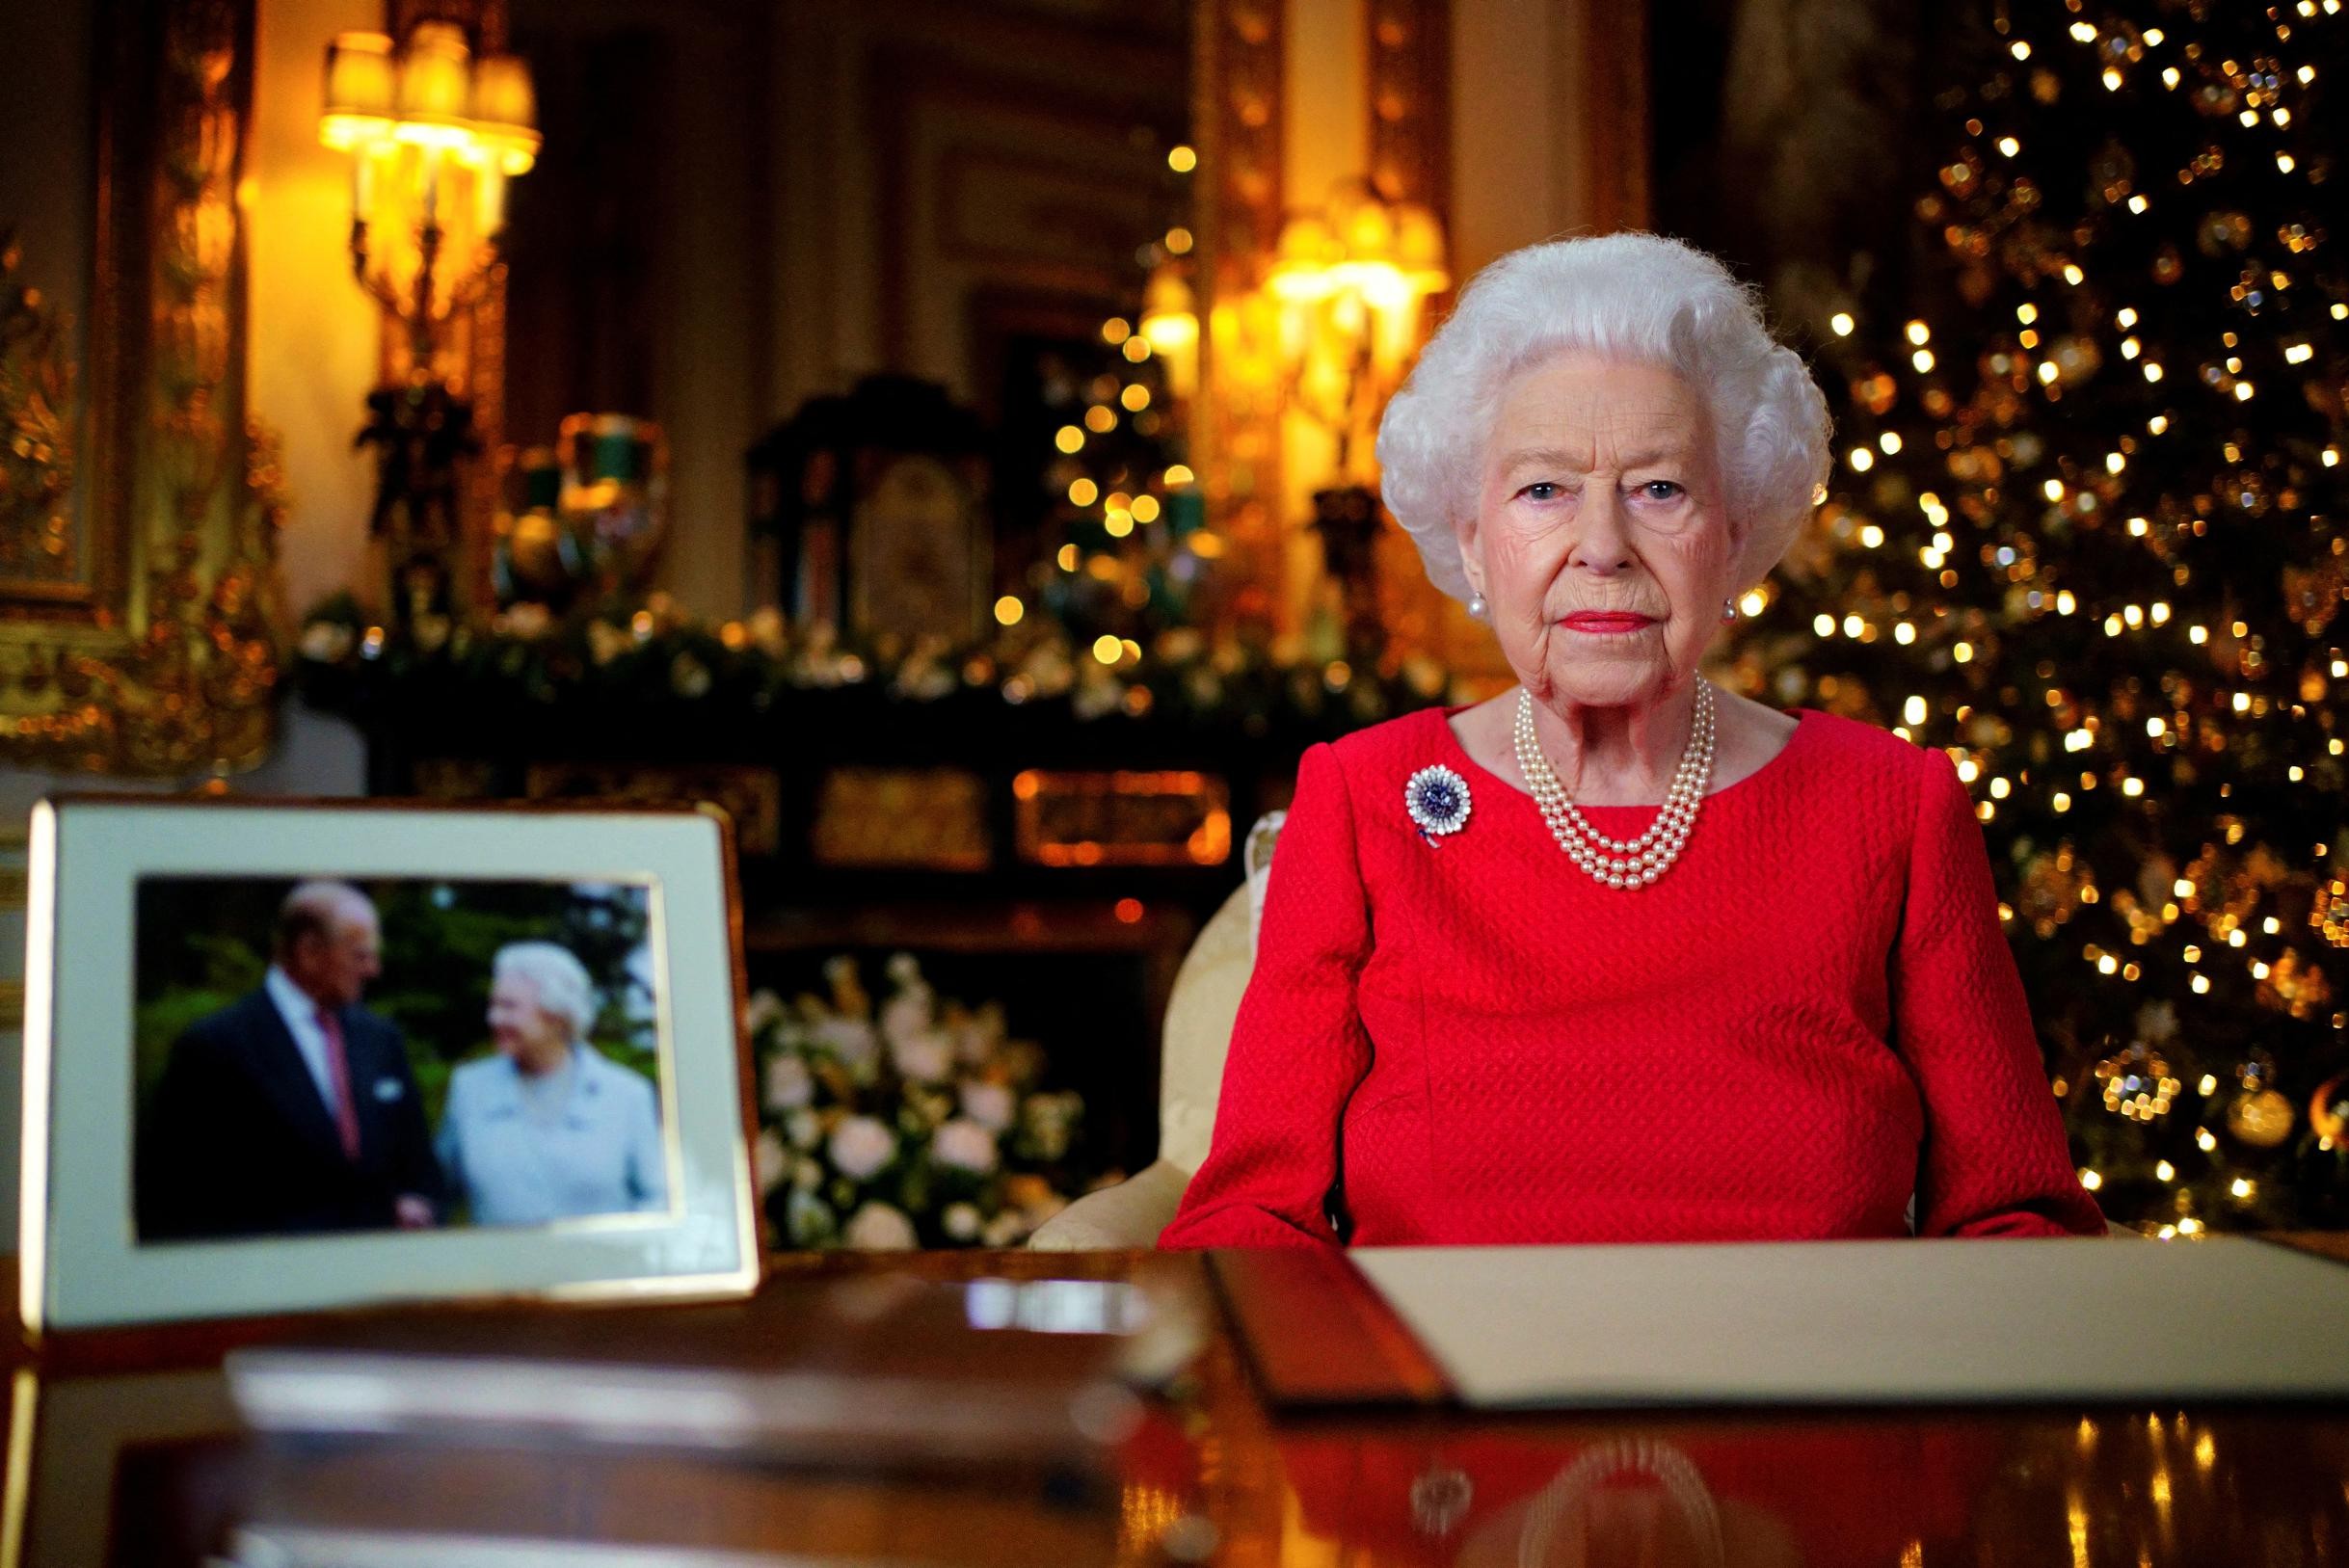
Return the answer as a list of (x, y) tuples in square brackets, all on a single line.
[(653, 653)]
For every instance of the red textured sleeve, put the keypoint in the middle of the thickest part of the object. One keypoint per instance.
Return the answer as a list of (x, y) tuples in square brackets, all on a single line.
[(1994, 1160), (1299, 1048)]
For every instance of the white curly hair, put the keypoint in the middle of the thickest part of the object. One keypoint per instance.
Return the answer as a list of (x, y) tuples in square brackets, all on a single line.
[(558, 977), (1629, 296)]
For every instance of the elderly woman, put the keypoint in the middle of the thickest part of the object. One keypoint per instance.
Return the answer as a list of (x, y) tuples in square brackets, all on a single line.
[(1619, 956), (549, 1127)]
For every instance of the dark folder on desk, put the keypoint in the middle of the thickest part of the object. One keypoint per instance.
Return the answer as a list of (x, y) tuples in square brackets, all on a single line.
[(1831, 1323)]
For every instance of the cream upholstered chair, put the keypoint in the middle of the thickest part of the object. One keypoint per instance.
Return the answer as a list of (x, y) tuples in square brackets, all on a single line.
[(1198, 1033)]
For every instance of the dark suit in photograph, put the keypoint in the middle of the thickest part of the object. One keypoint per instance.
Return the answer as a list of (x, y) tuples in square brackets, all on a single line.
[(239, 1140)]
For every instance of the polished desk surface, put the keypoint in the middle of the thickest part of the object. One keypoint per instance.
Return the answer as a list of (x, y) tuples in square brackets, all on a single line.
[(134, 1458)]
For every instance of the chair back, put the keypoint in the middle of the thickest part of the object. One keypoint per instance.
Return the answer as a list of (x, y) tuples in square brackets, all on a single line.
[(1203, 1004)]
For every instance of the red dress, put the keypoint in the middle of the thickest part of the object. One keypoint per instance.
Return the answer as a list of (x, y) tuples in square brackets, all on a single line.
[(1810, 1018)]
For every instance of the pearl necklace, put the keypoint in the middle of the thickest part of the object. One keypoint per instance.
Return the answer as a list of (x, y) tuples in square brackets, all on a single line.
[(1621, 862)]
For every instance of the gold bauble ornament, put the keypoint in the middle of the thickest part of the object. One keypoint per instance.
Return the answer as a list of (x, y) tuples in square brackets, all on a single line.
[(2329, 1109), (540, 555), (2262, 1118)]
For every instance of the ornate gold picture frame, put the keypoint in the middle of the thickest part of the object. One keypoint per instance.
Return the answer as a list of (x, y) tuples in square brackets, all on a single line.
[(137, 637)]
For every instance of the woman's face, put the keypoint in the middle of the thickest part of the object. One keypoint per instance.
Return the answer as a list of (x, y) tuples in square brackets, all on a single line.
[(1600, 541), (521, 1027)]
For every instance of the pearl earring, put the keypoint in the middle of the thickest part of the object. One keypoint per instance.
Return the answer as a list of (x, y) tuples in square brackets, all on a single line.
[(1477, 607), (1728, 609)]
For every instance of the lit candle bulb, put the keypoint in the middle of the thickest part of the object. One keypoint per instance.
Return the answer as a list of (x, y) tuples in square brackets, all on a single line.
[(488, 200), (363, 183)]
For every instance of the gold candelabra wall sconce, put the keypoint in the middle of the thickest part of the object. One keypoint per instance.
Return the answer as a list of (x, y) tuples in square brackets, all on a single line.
[(434, 133), (1328, 339), (1348, 289)]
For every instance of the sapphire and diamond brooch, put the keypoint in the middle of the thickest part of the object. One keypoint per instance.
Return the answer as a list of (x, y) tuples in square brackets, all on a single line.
[(1437, 800)]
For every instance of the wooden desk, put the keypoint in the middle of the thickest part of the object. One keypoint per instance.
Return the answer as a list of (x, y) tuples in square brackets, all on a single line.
[(134, 1466)]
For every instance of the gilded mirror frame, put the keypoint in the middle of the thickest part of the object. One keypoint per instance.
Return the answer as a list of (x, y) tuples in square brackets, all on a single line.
[(140, 638)]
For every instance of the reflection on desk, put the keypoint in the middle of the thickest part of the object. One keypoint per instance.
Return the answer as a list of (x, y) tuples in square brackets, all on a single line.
[(2118, 1489), (882, 1367), (149, 1468)]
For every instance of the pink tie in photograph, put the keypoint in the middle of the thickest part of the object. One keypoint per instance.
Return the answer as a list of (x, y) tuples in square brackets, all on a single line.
[(338, 1069)]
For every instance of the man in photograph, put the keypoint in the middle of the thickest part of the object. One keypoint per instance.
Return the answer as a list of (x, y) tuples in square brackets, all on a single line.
[(293, 1108)]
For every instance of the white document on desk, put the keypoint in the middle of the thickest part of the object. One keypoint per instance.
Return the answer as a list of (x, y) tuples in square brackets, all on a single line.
[(1868, 1322)]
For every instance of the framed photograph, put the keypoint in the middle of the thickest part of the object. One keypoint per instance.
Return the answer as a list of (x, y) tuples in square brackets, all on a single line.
[(289, 1056)]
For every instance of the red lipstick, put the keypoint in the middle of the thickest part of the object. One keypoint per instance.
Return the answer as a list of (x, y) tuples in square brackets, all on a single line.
[(1606, 621)]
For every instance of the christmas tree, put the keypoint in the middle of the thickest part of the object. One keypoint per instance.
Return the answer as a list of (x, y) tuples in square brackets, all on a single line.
[(1124, 522), (1120, 506), (2085, 535)]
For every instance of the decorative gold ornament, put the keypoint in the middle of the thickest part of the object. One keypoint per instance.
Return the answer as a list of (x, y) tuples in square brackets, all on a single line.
[(2136, 1083), (35, 438), (2329, 911), (2329, 1109), (2222, 231), (2049, 893), (2262, 1118), (2312, 595), (2297, 986), (2144, 922), (543, 562), (148, 647), (2075, 359)]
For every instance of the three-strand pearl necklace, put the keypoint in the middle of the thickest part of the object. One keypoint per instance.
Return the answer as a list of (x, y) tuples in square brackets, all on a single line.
[(1621, 862)]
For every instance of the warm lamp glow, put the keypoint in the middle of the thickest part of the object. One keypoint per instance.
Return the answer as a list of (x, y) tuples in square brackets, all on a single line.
[(361, 88), (1308, 250), (505, 110), (502, 95), (1368, 230), (1172, 331), (1419, 247), (1348, 285), (1381, 283), (1168, 310), (1391, 253), (436, 77), (1170, 326), (431, 95)]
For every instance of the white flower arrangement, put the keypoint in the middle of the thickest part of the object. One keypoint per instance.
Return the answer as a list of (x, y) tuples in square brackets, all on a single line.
[(859, 1148), (908, 1124), (878, 1227), (790, 1084), (991, 1106), (963, 1145)]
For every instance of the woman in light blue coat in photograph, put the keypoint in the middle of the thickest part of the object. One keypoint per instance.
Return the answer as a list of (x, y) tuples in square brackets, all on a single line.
[(549, 1127)]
